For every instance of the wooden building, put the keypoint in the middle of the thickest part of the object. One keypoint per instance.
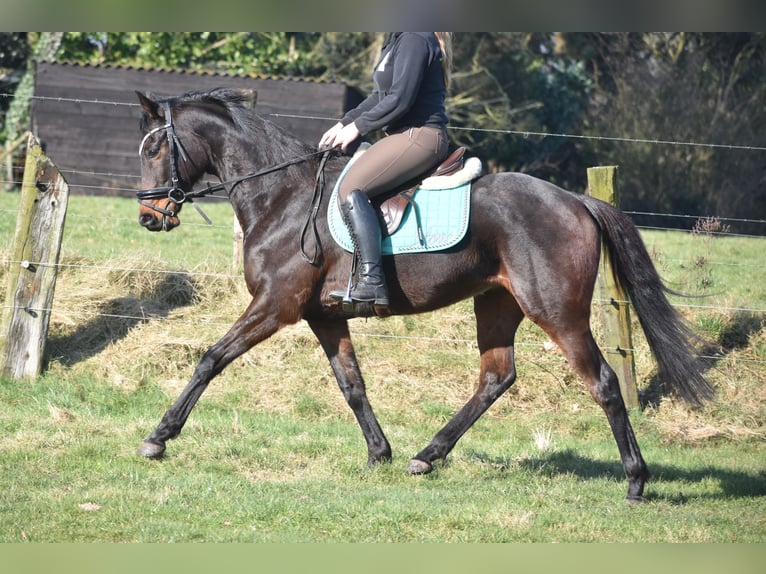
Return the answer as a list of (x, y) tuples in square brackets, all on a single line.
[(80, 117)]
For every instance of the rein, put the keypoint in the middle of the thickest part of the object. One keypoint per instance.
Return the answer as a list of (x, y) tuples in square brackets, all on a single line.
[(178, 196)]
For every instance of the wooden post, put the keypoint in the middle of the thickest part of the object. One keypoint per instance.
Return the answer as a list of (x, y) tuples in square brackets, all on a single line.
[(237, 253), (33, 267), (7, 156), (615, 308)]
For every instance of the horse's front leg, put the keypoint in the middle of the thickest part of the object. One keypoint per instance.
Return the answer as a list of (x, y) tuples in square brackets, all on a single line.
[(335, 339), (251, 328)]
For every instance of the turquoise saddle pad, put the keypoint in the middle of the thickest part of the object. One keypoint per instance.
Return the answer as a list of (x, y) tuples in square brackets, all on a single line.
[(444, 216)]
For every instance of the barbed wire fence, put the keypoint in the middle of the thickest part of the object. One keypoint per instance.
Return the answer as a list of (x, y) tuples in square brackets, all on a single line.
[(131, 190)]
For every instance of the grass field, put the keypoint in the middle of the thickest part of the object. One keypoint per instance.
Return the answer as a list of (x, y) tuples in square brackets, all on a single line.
[(272, 453)]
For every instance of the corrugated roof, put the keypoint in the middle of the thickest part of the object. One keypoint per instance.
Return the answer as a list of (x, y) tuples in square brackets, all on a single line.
[(166, 70)]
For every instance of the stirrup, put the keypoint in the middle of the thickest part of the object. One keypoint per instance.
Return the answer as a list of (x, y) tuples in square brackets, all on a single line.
[(371, 285), (375, 306), (348, 296)]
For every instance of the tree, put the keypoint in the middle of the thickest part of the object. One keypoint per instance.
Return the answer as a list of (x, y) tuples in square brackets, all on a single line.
[(347, 57), (509, 84), (705, 89), (16, 118), (14, 53), (265, 53)]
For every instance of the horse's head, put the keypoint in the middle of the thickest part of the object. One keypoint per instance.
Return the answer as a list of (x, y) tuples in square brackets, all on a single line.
[(168, 172)]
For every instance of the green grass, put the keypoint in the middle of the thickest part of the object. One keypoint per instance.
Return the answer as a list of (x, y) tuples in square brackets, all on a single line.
[(99, 229), (69, 473), (272, 452)]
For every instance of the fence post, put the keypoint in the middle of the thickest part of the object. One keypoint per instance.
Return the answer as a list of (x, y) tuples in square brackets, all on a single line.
[(7, 155), (615, 308), (237, 253), (33, 265)]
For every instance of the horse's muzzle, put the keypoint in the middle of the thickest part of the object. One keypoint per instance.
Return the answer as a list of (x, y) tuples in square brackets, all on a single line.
[(155, 221)]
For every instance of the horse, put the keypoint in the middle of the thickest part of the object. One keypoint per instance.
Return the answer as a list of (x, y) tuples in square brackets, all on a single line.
[(531, 250)]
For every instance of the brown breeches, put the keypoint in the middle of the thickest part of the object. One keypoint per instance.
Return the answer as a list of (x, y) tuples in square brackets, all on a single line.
[(395, 159)]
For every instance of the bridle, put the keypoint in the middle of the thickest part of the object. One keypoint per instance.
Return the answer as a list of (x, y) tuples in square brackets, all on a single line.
[(179, 196), (174, 193)]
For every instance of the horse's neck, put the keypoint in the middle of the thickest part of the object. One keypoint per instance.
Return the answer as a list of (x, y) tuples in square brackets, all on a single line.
[(263, 199)]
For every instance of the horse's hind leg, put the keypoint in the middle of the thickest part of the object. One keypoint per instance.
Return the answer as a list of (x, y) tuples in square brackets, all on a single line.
[(585, 357), (336, 342), (497, 318)]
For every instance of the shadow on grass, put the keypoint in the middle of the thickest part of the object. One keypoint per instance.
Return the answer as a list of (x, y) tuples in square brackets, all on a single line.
[(733, 484), (735, 336), (115, 318)]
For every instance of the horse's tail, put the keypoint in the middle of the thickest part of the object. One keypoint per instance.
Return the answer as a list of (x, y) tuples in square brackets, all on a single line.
[(670, 338)]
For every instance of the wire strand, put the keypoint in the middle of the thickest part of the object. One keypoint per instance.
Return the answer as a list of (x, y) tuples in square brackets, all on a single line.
[(448, 341), (526, 134), (523, 133)]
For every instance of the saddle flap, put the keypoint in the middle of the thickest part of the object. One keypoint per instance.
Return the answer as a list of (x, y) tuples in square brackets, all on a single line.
[(452, 164), (391, 208)]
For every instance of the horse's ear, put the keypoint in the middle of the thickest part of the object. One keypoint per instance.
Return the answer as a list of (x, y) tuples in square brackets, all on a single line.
[(151, 107), (252, 98)]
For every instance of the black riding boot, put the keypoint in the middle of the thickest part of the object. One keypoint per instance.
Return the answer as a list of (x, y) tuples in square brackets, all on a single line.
[(362, 221)]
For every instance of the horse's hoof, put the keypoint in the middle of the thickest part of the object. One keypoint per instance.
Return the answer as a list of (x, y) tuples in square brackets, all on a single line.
[(416, 466), (151, 449), (635, 499), (373, 462)]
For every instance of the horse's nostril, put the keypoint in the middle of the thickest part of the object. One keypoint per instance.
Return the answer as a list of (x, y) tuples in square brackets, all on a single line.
[(145, 219)]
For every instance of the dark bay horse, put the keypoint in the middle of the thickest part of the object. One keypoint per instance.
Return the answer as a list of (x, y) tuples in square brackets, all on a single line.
[(532, 250)]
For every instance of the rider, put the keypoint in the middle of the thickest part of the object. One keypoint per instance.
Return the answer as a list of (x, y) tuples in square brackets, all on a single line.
[(411, 80)]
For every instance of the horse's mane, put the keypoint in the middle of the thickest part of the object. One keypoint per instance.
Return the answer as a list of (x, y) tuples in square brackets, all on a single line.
[(236, 107)]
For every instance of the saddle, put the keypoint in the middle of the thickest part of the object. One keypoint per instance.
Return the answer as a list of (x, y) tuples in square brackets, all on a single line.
[(391, 206)]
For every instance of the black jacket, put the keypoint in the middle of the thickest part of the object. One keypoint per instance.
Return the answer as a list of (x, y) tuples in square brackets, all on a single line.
[(409, 86)]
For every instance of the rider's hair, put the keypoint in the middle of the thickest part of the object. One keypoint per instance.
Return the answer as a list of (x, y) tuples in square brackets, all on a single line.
[(445, 42)]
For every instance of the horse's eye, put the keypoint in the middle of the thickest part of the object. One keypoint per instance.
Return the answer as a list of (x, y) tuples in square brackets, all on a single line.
[(152, 151)]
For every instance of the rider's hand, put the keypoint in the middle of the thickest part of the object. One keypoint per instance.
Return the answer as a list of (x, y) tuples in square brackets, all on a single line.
[(347, 136), (339, 136), (328, 138)]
